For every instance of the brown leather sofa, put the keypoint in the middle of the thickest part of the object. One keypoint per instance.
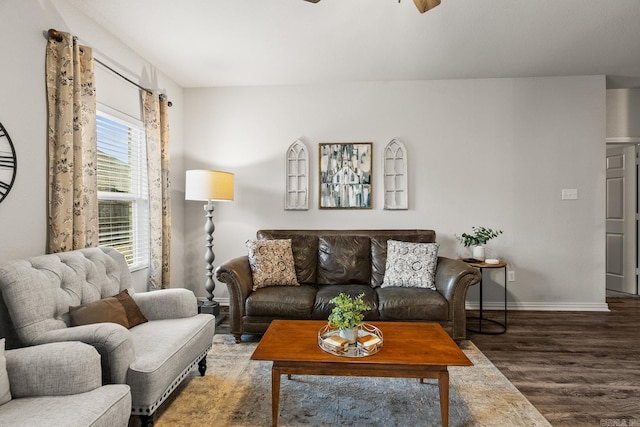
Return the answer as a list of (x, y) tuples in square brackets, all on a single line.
[(328, 262)]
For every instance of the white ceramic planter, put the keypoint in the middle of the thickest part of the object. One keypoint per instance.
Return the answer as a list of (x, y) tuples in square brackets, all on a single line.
[(349, 334), (478, 252)]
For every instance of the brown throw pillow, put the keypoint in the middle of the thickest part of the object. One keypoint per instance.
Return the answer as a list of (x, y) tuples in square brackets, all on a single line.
[(134, 315), (104, 310)]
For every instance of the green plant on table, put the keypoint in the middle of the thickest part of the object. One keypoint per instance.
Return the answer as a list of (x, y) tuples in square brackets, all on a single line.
[(478, 236), (348, 312)]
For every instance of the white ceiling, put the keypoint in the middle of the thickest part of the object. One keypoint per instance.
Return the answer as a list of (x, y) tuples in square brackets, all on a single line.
[(268, 42)]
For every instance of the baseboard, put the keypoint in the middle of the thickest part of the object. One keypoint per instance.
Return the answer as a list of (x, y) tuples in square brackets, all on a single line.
[(539, 306)]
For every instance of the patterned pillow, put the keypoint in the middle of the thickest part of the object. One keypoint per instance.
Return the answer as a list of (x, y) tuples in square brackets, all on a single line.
[(5, 390), (411, 265), (271, 263)]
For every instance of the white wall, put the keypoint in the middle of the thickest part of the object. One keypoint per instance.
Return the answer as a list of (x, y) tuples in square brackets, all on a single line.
[(23, 112), (493, 152)]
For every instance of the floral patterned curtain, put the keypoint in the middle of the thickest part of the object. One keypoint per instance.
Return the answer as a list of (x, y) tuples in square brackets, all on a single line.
[(71, 106), (156, 123)]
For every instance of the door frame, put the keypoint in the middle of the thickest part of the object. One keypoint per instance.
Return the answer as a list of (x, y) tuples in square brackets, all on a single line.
[(632, 257)]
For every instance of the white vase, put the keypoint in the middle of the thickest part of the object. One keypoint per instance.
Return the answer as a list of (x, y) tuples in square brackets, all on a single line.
[(349, 334), (478, 252)]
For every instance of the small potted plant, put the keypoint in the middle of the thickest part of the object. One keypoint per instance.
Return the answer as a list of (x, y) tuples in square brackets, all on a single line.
[(348, 314), (478, 238)]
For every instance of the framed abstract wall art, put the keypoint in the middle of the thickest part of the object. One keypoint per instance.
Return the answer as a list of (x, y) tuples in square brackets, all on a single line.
[(345, 175)]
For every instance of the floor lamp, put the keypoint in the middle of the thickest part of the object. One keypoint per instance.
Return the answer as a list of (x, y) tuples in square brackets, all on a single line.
[(209, 186)]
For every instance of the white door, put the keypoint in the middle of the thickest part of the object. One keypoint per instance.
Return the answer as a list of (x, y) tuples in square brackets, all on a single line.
[(621, 219)]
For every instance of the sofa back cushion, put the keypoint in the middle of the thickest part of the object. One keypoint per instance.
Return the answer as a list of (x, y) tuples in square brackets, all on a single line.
[(344, 259), (39, 291), (313, 251)]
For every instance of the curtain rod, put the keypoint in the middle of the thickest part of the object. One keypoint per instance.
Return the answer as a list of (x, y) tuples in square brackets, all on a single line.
[(55, 35)]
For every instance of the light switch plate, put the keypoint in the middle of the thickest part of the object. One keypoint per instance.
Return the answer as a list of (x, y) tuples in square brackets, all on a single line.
[(569, 194)]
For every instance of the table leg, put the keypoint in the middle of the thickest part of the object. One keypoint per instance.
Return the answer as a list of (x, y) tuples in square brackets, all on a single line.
[(443, 385), (275, 395)]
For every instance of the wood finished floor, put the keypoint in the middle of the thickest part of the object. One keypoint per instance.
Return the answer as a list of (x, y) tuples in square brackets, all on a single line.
[(576, 368)]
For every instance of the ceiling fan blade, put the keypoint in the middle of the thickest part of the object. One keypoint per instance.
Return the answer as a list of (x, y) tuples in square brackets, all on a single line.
[(312, 1), (424, 5)]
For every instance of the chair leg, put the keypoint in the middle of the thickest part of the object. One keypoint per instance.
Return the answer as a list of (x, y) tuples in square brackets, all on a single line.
[(202, 366), (146, 420), (238, 338)]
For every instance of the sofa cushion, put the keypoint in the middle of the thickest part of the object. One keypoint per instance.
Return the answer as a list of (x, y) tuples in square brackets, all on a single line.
[(294, 302), (134, 315), (379, 250), (411, 264), (104, 310), (159, 369), (271, 263), (305, 252), (5, 389), (322, 307), (411, 304), (344, 259), (106, 406)]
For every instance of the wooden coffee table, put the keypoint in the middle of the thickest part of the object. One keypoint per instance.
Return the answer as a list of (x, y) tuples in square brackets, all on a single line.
[(410, 350)]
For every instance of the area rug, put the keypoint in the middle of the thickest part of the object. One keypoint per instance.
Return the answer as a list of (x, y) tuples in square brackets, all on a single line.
[(237, 392)]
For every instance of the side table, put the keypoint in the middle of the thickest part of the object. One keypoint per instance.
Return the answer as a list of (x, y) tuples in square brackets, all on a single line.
[(481, 318)]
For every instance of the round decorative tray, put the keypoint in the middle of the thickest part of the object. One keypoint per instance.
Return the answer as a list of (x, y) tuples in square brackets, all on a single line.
[(369, 341)]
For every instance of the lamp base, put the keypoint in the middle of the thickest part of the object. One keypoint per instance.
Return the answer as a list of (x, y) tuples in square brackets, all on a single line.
[(209, 307)]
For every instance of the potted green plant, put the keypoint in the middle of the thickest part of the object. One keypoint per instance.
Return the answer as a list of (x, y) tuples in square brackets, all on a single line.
[(348, 314), (478, 237)]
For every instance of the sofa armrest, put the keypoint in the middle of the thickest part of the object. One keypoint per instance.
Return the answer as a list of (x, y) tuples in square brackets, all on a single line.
[(175, 303), (453, 278), (236, 273), (114, 343), (53, 369)]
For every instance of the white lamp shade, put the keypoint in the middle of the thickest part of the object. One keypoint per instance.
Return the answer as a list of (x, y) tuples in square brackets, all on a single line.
[(208, 185)]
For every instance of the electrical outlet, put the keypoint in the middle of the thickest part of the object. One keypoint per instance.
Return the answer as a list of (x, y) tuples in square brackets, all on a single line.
[(569, 194), (511, 276)]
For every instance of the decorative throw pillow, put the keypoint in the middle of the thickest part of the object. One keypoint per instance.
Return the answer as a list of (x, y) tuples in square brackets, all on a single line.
[(5, 390), (104, 310), (271, 263), (134, 315), (411, 264)]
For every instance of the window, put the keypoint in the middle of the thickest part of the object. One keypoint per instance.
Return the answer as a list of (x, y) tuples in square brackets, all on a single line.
[(123, 200)]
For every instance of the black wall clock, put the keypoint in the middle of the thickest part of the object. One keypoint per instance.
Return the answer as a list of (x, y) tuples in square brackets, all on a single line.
[(8, 163)]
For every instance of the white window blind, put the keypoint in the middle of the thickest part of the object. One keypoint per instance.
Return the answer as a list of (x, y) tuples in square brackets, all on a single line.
[(123, 198)]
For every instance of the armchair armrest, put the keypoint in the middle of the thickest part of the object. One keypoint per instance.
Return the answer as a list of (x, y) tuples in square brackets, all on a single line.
[(53, 369), (236, 273), (162, 304), (112, 341)]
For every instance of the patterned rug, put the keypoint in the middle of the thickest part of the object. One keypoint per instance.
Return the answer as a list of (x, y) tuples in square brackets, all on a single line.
[(237, 392)]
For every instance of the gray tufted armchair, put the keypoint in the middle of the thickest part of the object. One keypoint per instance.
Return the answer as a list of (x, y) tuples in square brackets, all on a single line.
[(152, 358)]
